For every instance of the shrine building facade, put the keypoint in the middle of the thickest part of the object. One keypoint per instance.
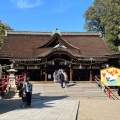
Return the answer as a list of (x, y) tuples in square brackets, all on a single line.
[(39, 54)]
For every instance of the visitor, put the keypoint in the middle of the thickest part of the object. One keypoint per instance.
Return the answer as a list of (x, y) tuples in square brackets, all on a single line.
[(55, 76), (28, 90), (61, 76), (65, 78)]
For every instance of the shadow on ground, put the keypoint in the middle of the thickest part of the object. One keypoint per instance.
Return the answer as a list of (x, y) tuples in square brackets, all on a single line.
[(7, 105)]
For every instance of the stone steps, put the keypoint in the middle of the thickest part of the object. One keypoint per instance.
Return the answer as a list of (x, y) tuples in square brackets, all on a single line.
[(75, 90)]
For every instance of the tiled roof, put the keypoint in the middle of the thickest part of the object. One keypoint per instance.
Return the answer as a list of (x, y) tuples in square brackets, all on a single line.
[(23, 44)]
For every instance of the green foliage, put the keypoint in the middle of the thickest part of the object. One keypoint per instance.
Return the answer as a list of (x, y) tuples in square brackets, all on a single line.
[(111, 45), (104, 16), (3, 27)]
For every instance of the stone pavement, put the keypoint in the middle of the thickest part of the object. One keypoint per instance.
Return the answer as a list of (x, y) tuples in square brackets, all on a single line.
[(51, 102), (45, 110), (92, 109)]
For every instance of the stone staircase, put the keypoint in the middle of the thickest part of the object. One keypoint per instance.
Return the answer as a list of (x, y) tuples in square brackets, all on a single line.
[(81, 90), (86, 91), (73, 91)]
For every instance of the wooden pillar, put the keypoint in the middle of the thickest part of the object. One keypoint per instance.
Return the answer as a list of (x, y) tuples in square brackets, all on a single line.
[(90, 75), (91, 59), (71, 72), (46, 74)]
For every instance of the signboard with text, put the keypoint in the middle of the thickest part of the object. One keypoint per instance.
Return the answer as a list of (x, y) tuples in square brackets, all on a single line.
[(110, 76)]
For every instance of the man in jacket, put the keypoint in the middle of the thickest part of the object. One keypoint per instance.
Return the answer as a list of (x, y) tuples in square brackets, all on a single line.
[(28, 90)]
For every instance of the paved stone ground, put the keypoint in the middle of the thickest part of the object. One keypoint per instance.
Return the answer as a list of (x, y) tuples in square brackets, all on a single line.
[(7, 105), (94, 103), (45, 110), (99, 110)]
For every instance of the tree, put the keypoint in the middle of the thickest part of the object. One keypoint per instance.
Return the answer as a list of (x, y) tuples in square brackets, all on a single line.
[(104, 17), (3, 27)]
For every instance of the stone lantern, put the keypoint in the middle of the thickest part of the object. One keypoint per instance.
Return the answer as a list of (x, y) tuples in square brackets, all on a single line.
[(11, 72)]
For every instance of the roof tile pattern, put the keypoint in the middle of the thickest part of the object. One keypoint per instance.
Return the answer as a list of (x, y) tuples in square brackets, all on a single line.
[(89, 45), (26, 45)]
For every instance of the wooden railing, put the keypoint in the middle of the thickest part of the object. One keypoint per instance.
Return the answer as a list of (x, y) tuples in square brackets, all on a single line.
[(105, 88), (20, 79), (97, 80), (4, 83), (111, 94)]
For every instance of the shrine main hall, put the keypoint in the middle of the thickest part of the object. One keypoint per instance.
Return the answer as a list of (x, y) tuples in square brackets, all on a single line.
[(38, 54)]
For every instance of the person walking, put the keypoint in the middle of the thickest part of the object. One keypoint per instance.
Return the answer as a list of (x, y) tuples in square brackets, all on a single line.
[(55, 76), (28, 90), (62, 78), (65, 78), (58, 76)]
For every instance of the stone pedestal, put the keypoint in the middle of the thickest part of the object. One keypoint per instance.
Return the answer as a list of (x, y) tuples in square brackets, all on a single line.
[(13, 93)]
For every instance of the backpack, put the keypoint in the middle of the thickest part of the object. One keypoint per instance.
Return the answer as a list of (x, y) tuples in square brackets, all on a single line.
[(28, 87)]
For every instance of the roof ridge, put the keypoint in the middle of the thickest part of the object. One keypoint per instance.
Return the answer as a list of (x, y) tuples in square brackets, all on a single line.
[(50, 33)]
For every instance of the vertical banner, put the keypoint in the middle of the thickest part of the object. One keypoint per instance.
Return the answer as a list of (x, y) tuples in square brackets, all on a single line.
[(110, 76)]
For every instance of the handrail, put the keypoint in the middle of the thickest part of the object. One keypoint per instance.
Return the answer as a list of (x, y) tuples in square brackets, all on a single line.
[(108, 91), (111, 94), (96, 78)]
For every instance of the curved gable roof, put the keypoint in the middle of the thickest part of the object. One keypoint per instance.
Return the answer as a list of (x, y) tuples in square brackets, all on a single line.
[(54, 40), (48, 51), (21, 44)]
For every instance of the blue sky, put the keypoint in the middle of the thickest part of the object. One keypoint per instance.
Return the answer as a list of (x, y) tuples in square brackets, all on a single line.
[(44, 15)]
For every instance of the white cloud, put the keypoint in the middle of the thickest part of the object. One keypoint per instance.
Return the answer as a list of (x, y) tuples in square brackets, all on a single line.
[(26, 3)]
